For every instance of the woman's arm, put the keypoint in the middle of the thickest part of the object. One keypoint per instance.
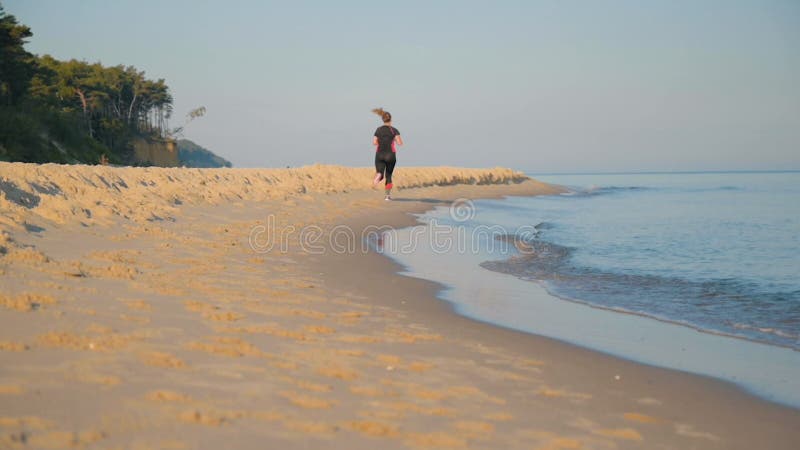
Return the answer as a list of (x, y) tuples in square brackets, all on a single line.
[(374, 140), (398, 139)]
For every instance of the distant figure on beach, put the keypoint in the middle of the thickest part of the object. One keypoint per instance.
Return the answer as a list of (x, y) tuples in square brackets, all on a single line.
[(386, 140)]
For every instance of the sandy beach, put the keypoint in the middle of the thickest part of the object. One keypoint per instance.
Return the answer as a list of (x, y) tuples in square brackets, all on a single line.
[(148, 308)]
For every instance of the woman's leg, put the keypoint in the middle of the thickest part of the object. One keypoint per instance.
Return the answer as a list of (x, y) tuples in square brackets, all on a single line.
[(380, 167), (389, 169)]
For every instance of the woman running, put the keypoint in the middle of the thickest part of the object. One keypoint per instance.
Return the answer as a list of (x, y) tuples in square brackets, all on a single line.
[(386, 140)]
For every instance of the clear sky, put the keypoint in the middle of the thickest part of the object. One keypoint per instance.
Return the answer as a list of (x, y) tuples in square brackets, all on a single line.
[(541, 86)]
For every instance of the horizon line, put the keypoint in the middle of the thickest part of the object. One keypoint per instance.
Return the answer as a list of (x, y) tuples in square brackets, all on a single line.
[(666, 172)]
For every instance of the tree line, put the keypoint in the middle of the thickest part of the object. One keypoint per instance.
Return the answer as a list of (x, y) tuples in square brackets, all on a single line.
[(108, 98), (73, 111)]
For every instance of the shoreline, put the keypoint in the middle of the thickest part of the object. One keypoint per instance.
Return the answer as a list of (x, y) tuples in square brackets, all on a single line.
[(502, 300), (173, 334), (442, 313)]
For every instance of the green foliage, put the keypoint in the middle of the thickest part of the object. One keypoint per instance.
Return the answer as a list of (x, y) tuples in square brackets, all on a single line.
[(40, 135), (193, 155), (115, 96), (20, 138), (16, 64), (73, 111)]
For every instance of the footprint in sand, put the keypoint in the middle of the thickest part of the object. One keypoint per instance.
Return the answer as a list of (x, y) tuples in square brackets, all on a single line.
[(10, 346), (26, 302), (138, 305), (373, 429), (162, 359), (308, 385), (307, 401), (642, 418), (167, 396), (100, 342), (474, 429), (576, 397), (226, 346), (339, 372), (499, 416), (209, 418), (223, 316)]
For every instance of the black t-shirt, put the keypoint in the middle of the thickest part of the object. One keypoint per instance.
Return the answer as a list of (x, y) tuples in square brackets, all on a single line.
[(385, 135)]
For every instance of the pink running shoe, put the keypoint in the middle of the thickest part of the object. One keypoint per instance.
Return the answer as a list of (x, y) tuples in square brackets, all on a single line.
[(378, 178)]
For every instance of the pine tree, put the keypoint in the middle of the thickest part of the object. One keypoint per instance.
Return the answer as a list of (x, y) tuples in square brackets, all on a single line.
[(16, 64)]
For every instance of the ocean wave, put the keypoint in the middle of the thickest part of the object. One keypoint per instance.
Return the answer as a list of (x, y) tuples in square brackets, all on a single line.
[(721, 306), (714, 189), (685, 323), (767, 330), (594, 190), (602, 190)]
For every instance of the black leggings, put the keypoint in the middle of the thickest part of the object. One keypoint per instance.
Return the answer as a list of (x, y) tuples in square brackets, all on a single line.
[(384, 165)]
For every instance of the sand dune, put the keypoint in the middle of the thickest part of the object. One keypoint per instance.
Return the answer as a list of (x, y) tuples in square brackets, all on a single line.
[(98, 194)]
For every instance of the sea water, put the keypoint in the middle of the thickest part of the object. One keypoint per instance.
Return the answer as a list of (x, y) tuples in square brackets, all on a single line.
[(693, 271)]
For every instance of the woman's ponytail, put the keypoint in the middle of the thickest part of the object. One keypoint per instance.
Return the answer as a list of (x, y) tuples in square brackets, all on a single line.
[(385, 116)]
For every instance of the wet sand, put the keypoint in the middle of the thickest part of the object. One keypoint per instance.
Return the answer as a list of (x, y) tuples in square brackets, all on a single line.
[(150, 322)]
